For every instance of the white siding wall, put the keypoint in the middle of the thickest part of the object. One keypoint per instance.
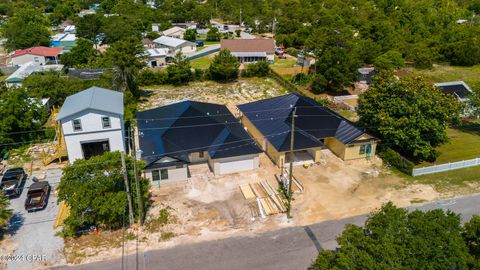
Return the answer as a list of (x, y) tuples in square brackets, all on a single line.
[(23, 59), (174, 174), (92, 130)]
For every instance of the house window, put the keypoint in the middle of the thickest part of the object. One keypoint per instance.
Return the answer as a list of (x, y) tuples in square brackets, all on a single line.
[(362, 149), (164, 174), (106, 122), (77, 125), (201, 154), (155, 175)]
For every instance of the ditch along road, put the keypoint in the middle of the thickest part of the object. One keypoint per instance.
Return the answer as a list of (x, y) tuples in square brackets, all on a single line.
[(288, 248)]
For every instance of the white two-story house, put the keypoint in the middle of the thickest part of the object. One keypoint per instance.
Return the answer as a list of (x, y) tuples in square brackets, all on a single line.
[(92, 123)]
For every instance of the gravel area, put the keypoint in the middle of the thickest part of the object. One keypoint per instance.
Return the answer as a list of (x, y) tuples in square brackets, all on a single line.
[(32, 241)]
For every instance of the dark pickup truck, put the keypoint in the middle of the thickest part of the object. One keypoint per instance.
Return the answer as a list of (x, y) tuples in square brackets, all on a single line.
[(37, 196), (12, 182)]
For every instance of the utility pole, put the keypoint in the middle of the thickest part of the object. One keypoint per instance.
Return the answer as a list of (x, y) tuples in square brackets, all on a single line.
[(290, 177), (129, 197), (137, 181)]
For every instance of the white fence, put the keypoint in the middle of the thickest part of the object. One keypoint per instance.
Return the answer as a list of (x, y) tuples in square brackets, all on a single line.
[(447, 167)]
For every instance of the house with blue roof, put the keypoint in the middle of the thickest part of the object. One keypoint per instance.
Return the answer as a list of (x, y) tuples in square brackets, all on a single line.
[(175, 136), (316, 127)]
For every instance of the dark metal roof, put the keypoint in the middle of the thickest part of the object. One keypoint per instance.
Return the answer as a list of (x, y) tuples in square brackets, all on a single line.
[(313, 122), (366, 74), (179, 129), (459, 89)]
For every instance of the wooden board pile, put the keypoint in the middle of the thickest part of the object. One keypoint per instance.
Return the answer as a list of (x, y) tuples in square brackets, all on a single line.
[(269, 201)]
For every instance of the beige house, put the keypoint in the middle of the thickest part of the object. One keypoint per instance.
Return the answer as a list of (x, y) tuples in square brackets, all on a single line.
[(175, 136), (156, 57), (174, 32), (315, 128), (175, 45), (250, 50)]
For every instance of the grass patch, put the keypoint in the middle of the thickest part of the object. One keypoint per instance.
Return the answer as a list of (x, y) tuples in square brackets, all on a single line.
[(446, 73), (201, 63), (284, 63), (447, 181), (166, 236), (164, 217), (464, 144), (350, 115)]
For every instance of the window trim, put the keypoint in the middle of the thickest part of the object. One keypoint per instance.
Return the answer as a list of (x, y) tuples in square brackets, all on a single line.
[(363, 149), (201, 154), (155, 174), (103, 122), (79, 124), (162, 171)]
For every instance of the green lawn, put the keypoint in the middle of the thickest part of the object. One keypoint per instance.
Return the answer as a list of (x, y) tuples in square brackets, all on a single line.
[(284, 63), (201, 63), (446, 73), (464, 144)]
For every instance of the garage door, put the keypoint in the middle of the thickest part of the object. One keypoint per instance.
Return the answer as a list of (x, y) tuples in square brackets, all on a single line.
[(236, 166)]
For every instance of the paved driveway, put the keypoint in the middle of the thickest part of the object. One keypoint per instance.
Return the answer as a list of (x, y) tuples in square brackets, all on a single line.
[(33, 233)]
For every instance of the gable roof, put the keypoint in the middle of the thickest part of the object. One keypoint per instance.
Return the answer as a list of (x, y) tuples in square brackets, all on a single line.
[(172, 30), (248, 45), (313, 122), (40, 51), (185, 127), (172, 42), (95, 98), (457, 88), (156, 52)]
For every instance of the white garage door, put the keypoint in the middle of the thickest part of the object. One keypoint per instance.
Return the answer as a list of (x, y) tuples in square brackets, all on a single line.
[(236, 166)]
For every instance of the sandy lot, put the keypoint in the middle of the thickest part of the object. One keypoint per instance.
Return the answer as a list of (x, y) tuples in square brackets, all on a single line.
[(208, 207), (242, 91)]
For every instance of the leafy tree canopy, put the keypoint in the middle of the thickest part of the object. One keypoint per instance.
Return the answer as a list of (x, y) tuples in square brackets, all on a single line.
[(180, 72), (224, 67), (409, 114), (94, 190), (80, 55), (393, 238)]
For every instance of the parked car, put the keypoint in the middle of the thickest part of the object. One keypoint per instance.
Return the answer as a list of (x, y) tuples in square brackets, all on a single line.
[(225, 27), (37, 196), (199, 43), (278, 50), (12, 182)]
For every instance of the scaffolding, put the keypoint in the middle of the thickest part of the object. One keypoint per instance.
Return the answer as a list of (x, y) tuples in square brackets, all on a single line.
[(57, 150)]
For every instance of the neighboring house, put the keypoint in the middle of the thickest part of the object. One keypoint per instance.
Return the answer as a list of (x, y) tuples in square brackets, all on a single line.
[(86, 74), (316, 127), (186, 25), (92, 123), (67, 41), (85, 12), (70, 29), (147, 43), (348, 102), (250, 50), (16, 78), (156, 57), (39, 55), (174, 32), (460, 90), (189, 132), (175, 45)]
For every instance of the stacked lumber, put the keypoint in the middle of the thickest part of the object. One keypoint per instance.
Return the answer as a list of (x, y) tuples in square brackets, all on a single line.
[(268, 200), (247, 192)]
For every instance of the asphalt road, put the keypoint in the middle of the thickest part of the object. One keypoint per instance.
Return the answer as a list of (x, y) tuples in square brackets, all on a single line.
[(290, 248), (33, 233)]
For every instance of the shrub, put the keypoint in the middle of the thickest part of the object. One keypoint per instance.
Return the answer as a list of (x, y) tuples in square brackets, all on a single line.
[(301, 79), (293, 52), (259, 69), (394, 159), (319, 84), (151, 77)]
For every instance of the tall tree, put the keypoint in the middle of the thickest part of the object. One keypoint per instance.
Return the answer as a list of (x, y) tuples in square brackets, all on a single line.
[(180, 72), (26, 28), (94, 190), (224, 67), (393, 238), (89, 26), (126, 58), (411, 115), (81, 54)]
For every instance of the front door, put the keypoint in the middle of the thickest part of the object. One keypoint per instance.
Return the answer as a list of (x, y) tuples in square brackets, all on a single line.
[(95, 148)]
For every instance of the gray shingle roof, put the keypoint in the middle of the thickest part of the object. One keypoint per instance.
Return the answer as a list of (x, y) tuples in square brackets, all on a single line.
[(172, 42), (95, 98)]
